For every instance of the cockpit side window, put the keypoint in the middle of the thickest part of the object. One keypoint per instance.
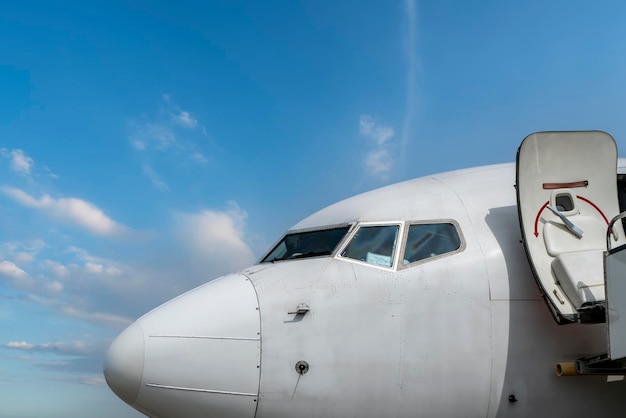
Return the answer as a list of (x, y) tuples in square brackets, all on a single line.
[(430, 240), (307, 244), (373, 245)]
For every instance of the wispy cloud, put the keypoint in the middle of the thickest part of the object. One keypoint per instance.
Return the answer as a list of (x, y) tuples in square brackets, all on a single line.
[(68, 288), (378, 160), (185, 119), (89, 314), (24, 257), (156, 180), (21, 252), (100, 269), (69, 210), (72, 282), (179, 116), (22, 164), (55, 268), (156, 135), (199, 157), (171, 132), (103, 318), (68, 348), (160, 131), (19, 161), (82, 358), (20, 279), (378, 132)]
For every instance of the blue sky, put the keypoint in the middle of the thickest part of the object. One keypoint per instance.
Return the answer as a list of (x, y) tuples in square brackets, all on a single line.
[(146, 148)]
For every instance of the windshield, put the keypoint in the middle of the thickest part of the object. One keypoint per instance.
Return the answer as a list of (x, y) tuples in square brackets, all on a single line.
[(307, 244)]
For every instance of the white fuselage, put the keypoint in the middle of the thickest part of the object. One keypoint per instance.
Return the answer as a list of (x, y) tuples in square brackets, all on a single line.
[(464, 334)]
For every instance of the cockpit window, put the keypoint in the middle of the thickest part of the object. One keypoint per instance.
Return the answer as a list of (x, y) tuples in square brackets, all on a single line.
[(306, 244), (429, 240), (373, 244)]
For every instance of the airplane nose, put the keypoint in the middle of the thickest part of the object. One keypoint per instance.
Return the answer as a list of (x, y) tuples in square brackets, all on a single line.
[(196, 355), (123, 364)]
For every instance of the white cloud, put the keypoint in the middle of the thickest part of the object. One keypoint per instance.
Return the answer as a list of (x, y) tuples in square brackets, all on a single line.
[(20, 162), (69, 210), (378, 132), (20, 279), (378, 159), (94, 268), (20, 345), (215, 239), (185, 119), (8, 268), (68, 348), (55, 268), (96, 265)]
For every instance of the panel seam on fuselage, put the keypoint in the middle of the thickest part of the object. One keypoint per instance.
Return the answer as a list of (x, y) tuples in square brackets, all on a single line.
[(220, 392), (207, 337)]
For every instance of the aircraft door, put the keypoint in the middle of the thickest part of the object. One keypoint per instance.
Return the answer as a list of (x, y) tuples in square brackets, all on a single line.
[(320, 328), (566, 193)]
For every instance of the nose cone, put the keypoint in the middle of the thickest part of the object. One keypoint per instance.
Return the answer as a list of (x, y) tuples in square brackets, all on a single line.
[(197, 355), (123, 365)]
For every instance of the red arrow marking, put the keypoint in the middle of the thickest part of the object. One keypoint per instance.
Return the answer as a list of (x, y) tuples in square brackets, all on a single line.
[(538, 215), (598, 209), (595, 207), (579, 197)]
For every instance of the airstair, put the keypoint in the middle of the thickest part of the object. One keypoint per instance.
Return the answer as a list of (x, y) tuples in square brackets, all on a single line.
[(573, 234)]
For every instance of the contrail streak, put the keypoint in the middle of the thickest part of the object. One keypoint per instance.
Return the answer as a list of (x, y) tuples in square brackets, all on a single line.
[(411, 75)]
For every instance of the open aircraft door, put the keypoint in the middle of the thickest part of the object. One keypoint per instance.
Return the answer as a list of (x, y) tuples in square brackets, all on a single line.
[(566, 194), (615, 283)]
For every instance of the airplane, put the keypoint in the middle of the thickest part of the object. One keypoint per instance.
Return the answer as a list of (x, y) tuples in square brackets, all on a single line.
[(494, 291)]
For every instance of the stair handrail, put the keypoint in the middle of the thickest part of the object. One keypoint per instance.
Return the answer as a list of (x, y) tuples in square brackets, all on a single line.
[(610, 231)]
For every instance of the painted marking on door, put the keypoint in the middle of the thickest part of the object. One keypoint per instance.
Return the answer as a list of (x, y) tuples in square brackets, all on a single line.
[(584, 199), (545, 205)]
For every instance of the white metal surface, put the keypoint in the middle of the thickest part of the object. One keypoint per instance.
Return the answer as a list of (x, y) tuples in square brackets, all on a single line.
[(379, 343), (202, 351), (463, 335)]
